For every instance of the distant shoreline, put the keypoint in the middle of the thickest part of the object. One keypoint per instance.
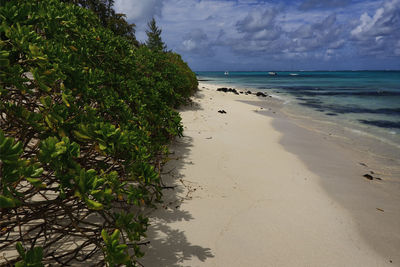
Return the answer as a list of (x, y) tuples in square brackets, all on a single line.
[(394, 70)]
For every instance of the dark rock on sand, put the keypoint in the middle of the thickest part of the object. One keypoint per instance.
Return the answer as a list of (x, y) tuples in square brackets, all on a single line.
[(261, 94), (226, 90), (368, 176), (248, 92)]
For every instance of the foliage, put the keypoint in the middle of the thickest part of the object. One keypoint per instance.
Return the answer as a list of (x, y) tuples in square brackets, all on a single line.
[(31, 258), (85, 120), (180, 77), (154, 41), (108, 17)]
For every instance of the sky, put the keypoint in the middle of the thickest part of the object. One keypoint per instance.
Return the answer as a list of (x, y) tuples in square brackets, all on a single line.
[(250, 35)]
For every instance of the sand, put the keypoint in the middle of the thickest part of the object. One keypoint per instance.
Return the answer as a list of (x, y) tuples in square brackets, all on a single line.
[(248, 192)]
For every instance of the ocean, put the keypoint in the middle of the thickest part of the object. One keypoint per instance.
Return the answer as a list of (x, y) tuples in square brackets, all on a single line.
[(366, 103)]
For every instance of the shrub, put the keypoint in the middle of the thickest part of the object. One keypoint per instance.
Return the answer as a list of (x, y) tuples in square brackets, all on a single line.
[(86, 118)]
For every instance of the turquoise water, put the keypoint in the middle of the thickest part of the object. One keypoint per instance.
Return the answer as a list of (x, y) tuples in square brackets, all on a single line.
[(367, 100)]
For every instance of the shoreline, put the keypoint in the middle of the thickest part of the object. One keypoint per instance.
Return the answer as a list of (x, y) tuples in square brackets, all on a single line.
[(379, 154), (249, 193), (388, 142)]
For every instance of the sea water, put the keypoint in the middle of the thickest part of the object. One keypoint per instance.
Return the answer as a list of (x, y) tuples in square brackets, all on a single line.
[(364, 102)]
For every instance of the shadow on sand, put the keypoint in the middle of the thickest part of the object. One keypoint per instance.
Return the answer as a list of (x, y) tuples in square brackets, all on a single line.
[(169, 246), (373, 205)]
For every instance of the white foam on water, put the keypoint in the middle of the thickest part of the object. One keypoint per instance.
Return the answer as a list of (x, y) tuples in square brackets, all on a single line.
[(358, 132), (285, 100)]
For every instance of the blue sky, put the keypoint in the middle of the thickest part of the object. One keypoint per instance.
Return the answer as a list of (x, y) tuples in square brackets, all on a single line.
[(275, 35)]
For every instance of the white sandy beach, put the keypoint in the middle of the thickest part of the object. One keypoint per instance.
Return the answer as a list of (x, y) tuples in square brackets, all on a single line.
[(243, 196)]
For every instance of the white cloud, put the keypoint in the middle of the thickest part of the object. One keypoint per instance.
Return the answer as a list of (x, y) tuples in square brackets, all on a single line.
[(257, 20), (189, 45), (378, 34), (367, 23), (197, 42), (324, 34), (229, 32), (139, 11)]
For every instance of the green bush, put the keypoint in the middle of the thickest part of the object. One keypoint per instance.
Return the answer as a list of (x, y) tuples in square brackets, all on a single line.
[(86, 118)]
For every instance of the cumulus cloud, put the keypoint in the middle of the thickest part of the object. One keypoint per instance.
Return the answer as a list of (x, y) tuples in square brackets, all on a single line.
[(256, 32), (257, 20), (262, 32), (139, 11), (260, 26), (385, 21), (196, 41), (323, 34), (379, 33), (230, 33)]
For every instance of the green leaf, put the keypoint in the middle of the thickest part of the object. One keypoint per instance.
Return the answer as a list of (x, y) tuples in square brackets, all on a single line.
[(105, 236), (16, 148), (4, 58), (65, 100), (6, 202), (34, 257), (115, 235), (102, 146), (38, 254), (36, 182), (121, 247), (94, 205), (80, 136), (34, 50), (37, 172), (45, 101), (20, 249), (48, 121), (5, 146), (4, 53)]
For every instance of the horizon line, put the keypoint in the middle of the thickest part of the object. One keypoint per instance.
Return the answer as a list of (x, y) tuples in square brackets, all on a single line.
[(293, 70)]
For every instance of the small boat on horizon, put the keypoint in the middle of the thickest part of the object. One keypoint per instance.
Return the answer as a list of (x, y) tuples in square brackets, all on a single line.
[(272, 73), (226, 73), (293, 74)]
